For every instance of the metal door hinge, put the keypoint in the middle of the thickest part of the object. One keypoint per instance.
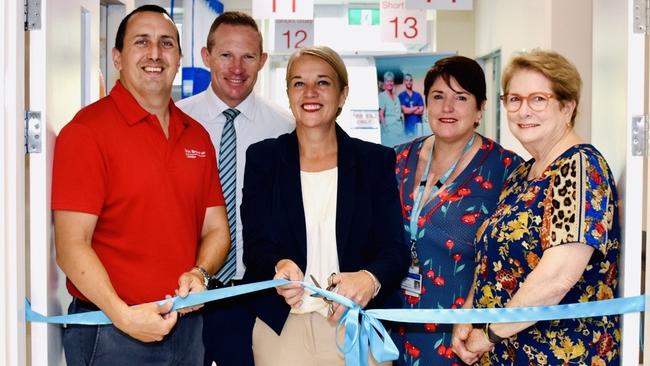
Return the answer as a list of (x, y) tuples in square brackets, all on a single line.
[(641, 22), (639, 135), (33, 135), (32, 15)]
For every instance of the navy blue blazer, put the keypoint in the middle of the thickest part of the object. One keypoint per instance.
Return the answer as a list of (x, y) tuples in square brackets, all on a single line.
[(369, 231)]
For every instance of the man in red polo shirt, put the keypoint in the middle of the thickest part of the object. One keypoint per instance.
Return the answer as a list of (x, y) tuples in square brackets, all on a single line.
[(138, 209)]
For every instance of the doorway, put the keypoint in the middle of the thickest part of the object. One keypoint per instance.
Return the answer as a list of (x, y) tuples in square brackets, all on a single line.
[(490, 125)]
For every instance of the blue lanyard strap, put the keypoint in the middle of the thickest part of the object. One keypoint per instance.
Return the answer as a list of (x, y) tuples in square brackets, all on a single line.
[(418, 203), (363, 331)]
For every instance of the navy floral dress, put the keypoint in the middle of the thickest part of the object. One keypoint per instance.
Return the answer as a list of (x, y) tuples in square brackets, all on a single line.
[(445, 244), (574, 201)]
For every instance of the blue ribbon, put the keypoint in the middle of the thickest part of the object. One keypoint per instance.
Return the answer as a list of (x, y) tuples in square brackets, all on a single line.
[(622, 305), (363, 331), (99, 318)]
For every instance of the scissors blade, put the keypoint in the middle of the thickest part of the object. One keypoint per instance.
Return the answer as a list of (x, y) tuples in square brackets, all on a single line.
[(313, 279)]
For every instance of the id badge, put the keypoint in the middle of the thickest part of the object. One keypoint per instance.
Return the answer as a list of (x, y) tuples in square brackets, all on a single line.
[(412, 283)]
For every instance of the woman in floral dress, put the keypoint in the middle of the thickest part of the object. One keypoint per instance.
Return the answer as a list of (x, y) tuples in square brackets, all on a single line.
[(554, 237), (448, 185)]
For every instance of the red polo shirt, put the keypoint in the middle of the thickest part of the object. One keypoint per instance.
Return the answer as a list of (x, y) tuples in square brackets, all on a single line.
[(149, 192)]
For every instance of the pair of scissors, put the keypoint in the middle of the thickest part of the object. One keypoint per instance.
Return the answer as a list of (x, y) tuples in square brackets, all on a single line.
[(330, 287)]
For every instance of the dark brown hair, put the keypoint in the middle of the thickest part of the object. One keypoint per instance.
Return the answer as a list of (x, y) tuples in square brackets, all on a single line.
[(121, 29)]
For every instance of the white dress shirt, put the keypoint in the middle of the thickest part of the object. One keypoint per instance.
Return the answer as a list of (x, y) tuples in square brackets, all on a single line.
[(258, 120)]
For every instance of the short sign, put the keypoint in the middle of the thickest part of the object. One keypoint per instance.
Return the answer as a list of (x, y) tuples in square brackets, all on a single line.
[(283, 9), (399, 24), (291, 35)]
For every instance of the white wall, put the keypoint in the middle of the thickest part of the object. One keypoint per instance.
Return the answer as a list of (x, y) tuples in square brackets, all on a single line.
[(609, 91), (571, 35), (511, 26), (454, 31), (573, 28)]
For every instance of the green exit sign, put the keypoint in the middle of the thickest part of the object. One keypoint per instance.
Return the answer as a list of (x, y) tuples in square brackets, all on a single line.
[(363, 16)]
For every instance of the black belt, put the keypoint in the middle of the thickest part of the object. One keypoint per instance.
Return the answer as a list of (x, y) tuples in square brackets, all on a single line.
[(215, 283), (86, 305)]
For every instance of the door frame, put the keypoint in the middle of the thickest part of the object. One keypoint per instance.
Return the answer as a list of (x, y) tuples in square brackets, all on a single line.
[(12, 186), (646, 200), (493, 102)]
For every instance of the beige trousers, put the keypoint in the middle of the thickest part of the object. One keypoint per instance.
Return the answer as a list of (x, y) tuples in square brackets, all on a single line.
[(306, 340)]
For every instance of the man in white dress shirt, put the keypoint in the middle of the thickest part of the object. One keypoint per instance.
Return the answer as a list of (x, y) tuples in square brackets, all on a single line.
[(234, 56)]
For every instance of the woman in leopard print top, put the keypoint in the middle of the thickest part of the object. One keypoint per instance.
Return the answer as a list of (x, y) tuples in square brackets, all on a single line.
[(554, 237)]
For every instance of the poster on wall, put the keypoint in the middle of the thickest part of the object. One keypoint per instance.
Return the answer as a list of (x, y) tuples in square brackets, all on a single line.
[(402, 110)]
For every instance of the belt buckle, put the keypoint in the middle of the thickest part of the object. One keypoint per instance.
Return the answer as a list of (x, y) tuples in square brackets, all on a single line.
[(214, 283)]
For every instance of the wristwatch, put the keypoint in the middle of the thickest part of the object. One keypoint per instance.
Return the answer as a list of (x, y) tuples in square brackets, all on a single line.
[(205, 274), (492, 337)]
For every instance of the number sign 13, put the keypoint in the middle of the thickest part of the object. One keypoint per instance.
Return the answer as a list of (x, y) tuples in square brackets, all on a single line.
[(405, 26), (291, 35)]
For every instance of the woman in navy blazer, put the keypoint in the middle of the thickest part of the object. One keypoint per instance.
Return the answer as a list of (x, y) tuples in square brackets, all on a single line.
[(317, 202)]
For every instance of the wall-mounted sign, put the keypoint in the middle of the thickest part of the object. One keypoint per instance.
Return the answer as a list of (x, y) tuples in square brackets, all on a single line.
[(363, 16), (399, 24), (283, 9), (365, 119), (439, 4), (291, 35)]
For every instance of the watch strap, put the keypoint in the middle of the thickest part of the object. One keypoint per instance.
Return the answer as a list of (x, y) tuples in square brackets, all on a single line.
[(492, 337), (205, 274)]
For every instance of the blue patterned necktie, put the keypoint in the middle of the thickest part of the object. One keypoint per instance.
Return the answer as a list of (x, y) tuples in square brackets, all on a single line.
[(228, 178)]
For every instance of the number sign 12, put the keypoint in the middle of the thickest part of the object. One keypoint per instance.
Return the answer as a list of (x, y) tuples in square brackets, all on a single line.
[(291, 35)]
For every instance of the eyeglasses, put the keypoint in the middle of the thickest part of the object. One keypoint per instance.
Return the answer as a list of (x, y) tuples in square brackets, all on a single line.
[(536, 101)]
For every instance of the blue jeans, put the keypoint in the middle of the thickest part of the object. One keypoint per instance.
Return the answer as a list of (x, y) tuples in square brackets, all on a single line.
[(100, 345)]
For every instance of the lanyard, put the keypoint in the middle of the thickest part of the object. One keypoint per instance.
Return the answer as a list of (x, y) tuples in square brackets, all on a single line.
[(418, 203)]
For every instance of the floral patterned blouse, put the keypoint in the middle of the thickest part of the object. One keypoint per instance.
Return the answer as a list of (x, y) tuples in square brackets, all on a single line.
[(573, 201), (445, 245)]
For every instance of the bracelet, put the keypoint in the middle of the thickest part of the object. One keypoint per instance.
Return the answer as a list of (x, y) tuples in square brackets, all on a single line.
[(204, 273), (375, 282), (492, 337)]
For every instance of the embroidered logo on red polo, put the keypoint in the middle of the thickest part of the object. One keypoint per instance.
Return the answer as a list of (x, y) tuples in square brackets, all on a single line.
[(193, 154)]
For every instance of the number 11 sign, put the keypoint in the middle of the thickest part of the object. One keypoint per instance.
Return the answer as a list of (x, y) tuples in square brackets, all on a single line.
[(283, 9), (398, 24)]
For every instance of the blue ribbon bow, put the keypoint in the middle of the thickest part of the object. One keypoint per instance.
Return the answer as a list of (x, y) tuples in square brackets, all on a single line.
[(362, 332)]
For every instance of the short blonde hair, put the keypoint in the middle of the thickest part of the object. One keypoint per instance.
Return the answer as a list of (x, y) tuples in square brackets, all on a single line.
[(326, 54), (563, 75)]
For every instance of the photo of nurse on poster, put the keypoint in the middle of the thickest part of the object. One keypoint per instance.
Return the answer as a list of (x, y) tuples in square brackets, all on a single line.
[(402, 110)]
